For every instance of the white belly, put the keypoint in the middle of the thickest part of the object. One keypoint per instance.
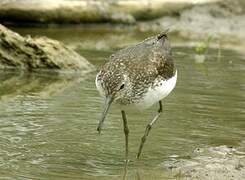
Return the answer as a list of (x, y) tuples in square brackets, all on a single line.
[(157, 93)]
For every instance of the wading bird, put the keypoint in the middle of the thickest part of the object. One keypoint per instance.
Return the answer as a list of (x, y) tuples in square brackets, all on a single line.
[(138, 76)]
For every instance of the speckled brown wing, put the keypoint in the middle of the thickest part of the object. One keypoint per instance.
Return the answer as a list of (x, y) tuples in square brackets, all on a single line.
[(165, 66), (153, 53)]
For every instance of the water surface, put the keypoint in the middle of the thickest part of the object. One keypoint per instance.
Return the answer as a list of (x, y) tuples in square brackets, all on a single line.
[(48, 123)]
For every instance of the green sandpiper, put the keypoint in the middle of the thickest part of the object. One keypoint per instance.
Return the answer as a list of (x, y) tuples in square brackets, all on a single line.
[(139, 76)]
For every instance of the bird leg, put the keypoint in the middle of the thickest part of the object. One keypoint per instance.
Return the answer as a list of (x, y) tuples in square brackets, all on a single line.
[(148, 128), (126, 132)]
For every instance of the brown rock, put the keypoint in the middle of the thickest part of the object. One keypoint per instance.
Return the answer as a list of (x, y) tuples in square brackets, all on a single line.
[(37, 53)]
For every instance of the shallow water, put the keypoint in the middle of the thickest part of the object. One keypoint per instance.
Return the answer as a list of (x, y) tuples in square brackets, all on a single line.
[(48, 123)]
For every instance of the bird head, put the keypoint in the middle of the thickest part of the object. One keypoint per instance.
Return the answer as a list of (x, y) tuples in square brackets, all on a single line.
[(113, 84)]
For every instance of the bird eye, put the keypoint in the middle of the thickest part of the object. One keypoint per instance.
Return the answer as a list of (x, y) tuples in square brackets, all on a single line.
[(122, 86)]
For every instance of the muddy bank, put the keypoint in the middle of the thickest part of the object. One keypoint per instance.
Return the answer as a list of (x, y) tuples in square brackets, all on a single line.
[(189, 18), (39, 53), (90, 11), (220, 163), (215, 19)]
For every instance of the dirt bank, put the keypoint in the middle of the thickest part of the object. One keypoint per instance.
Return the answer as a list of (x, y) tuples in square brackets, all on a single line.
[(90, 11), (214, 19), (190, 18)]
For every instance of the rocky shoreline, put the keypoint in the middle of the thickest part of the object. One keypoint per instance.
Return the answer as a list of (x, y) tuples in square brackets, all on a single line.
[(222, 18), (38, 53), (190, 18), (90, 11)]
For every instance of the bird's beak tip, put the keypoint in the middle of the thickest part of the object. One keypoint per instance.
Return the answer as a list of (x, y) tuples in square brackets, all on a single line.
[(99, 130), (108, 102)]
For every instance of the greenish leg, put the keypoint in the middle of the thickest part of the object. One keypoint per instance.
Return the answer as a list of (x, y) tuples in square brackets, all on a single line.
[(126, 132), (148, 128)]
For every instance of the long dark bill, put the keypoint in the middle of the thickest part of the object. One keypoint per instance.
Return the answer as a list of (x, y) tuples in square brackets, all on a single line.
[(107, 105)]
